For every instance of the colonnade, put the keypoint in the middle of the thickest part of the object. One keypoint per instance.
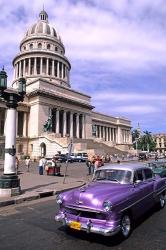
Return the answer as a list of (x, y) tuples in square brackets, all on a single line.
[(111, 134), (41, 66), (68, 123), (106, 133)]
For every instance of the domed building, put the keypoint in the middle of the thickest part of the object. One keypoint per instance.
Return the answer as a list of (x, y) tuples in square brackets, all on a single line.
[(52, 112)]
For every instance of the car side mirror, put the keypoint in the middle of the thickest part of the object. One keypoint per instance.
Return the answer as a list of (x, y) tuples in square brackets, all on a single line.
[(137, 182)]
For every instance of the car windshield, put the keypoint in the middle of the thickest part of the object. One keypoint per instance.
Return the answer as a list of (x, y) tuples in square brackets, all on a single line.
[(113, 175)]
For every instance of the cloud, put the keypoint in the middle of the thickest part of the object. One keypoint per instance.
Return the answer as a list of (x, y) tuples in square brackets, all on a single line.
[(117, 49)]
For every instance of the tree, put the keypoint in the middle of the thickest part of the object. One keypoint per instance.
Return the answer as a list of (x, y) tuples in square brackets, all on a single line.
[(147, 142)]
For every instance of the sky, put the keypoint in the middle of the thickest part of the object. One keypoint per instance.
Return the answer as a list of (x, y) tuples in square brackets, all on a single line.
[(117, 51)]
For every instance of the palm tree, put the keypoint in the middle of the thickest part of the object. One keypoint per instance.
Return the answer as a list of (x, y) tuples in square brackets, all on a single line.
[(147, 142)]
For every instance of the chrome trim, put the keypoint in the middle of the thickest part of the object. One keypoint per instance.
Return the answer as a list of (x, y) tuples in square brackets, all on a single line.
[(84, 209), (163, 189), (89, 227), (152, 193), (137, 201)]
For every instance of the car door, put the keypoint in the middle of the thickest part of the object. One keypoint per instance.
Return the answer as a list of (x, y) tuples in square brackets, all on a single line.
[(136, 194), (148, 187)]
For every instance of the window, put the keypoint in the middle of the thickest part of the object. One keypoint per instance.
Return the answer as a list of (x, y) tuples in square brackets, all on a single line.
[(20, 148), (39, 46), (56, 49), (148, 173), (31, 46), (139, 175), (20, 123), (48, 46), (31, 147)]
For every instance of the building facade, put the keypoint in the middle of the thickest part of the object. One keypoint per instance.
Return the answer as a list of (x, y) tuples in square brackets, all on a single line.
[(160, 140), (43, 63)]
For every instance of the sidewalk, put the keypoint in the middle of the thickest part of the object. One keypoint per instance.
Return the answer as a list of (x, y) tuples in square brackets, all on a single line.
[(34, 186)]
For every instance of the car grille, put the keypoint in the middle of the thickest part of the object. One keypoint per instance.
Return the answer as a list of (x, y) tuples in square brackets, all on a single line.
[(85, 214)]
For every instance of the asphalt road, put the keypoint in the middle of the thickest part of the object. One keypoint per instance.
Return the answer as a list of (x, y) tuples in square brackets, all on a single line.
[(31, 225)]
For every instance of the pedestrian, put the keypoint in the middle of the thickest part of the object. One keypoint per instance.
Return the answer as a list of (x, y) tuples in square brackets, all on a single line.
[(97, 164), (17, 164), (27, 163), (89, 166), (156, 157), (42, 163)]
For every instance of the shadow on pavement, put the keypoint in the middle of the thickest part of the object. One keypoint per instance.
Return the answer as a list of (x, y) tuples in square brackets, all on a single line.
[(38, 186)]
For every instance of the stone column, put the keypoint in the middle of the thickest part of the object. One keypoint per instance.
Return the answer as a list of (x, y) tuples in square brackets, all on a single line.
[(29, 65), (16, 75), (99, 131), (25, 125), (24, 68), (83, 126), (157, 142), (35, 68), (106, 133), (116, 135), (20, 69), (10, 140), (77, 125), (113, 135), (57, 121), (53, 68), (5, 122), (41, 65), (62, 71), (16, 123), (58, 69), (64, 123), (47, 66), (71, 124)]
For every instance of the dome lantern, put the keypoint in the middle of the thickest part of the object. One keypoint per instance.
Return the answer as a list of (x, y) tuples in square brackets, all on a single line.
[(43, 16)]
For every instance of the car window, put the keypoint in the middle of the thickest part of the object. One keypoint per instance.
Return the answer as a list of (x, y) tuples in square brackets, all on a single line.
[(139, 175), (114, 175), (148, 174)]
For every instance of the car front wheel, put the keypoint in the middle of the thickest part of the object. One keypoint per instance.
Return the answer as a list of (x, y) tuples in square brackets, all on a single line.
[(126, 226)]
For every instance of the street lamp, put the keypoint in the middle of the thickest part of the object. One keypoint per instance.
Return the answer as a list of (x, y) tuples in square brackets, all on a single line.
[(9, 181)]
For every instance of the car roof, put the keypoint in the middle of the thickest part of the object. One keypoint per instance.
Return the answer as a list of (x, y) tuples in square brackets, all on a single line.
[(125, 166)]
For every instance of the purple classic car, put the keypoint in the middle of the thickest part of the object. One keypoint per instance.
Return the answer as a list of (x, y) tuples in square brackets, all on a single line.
[(117, 195)]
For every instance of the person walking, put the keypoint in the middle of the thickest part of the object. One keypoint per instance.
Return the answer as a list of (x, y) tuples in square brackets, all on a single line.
[(42, 163), (27, 163), (89, 166)]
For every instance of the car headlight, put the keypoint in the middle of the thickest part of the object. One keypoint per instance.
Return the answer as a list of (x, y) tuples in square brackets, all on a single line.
[(107, 206), (59, 199)]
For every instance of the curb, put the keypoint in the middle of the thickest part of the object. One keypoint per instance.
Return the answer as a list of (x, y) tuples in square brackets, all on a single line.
[(36, 195)]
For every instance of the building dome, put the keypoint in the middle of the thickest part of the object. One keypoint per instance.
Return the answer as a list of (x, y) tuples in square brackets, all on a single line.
[(42, 28), (42, 55)]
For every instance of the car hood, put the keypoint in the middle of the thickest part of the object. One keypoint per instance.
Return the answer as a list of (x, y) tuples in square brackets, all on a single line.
[(94, 194)]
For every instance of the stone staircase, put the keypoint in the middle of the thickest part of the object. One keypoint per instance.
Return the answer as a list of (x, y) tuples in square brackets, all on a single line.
[(90, 146), (94, 147)]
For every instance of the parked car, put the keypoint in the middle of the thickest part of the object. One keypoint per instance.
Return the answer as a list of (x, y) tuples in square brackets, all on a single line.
[(81, 157), (61, 157), (78, 157), (117, 195), (158, 167), (143, 156), (73, 157)]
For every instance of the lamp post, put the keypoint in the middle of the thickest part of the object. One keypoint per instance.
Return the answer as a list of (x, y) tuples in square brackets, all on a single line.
[(9, 181)]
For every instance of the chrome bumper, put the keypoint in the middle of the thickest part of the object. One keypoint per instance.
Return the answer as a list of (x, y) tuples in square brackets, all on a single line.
[(89, 227)]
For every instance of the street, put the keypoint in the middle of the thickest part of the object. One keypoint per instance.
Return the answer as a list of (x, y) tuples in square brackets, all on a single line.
[(31, 225)]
